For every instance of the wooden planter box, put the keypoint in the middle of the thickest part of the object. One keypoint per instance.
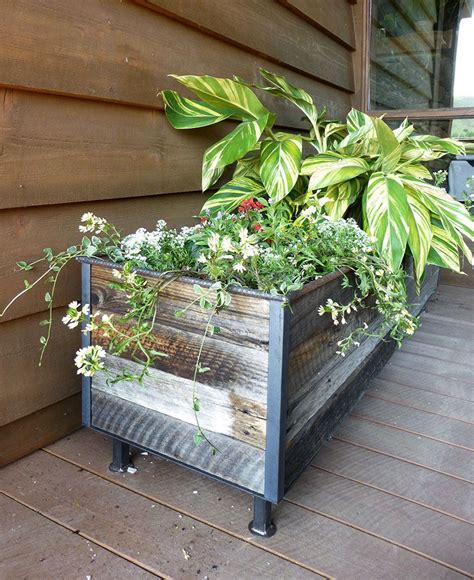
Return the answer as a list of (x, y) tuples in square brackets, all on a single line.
[(275, 390)]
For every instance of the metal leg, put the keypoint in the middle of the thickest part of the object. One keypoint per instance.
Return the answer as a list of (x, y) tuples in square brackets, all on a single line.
[(262, 524), (120, 456)]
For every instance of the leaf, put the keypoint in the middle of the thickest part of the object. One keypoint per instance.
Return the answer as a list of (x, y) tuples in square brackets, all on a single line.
[(339, 197), (403, 131), (386, 211), (248, 167), (444, 251), (26, 284), (330, 168), (196, 405), (438, 144), (45, 322), (225, 94), (47, 297), (357, 120), (420, 233), (183, 113), (415, 170), (280, 165), (232, 147), (198, 438), (233, 193), (42, 340), (389, 146), (24, 266)]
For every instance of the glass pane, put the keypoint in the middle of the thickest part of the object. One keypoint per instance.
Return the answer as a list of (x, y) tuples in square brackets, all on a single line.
[(421, 54)]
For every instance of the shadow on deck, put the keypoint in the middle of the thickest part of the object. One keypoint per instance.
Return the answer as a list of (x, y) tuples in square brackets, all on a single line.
[(388, 497)]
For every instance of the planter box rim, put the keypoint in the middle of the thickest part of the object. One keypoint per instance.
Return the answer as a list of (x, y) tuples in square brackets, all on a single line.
[(291, 297)]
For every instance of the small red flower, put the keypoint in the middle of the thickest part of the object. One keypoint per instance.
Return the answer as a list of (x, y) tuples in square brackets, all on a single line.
[(203, 219), (257, 227), (250, 204)]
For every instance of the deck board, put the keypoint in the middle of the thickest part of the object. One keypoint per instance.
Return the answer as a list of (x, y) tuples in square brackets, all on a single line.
[(387, 497)]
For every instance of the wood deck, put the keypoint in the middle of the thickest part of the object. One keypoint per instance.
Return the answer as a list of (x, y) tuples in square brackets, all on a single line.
[(390, 496)]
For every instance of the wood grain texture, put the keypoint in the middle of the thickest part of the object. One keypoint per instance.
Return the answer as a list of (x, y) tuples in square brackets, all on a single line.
[(413, 482), (223, 410), (138, 528), (123, 52), (358, 553), (316, 12), (236, 462), (39, 428), (393, 518), (247, 24), (25, 232), (26, 387), (32, 545)]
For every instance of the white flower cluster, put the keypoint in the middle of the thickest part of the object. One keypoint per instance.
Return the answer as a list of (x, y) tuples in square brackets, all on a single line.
[(92, 224), (74, 315), (224, 248), (88, 360)]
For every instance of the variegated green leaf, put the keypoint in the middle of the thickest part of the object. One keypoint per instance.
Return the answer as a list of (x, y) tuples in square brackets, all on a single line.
[(389, 146), (403, 131), (233, 193), (232, 147), (357, 120), (248, 166), (226, 94), (338, 198), (183, 113), (330, 168), (420, 233), (280, 165), (444, 251), (438, 144), (386, 209), (415, 170)]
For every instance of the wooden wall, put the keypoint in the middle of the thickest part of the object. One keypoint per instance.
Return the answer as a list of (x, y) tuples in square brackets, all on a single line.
[(82, 129)]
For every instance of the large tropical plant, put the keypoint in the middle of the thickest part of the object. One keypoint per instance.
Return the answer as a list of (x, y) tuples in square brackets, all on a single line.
[(361, 168)]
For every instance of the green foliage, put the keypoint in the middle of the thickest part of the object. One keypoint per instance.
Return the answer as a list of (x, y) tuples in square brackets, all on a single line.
[(361, 168)]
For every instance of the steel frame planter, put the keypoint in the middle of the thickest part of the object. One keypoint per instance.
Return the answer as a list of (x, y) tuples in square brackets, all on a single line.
[(275, 389)]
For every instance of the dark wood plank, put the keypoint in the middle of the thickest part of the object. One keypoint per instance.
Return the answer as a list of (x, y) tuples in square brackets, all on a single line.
[(410, 377), (454, 294), (26, 387), (301, 46), (236, 462), (303, 536), (166, 541), (123, 52), (409, 481), (39, 428), (31, 546), (433, 366), (436, 535), (426, 336), (463, 313), (440, 353), (316, 12), (419, 422), (454, 461), (27, 231)]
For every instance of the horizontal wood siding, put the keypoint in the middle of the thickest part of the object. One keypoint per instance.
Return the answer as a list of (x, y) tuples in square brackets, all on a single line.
[(82, 129)]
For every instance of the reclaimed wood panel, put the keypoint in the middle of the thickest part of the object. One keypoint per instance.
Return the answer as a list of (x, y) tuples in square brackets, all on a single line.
[(396, 520), (247, 24), (26, 387), (123, 52), (245, 322), (39, 428), (419, 398), (236, 462), (136, 527), (223, 410), (26, 231), (413, 482), (450, 460), (316, 12), (31, 546), (416, 421), (359, 554)]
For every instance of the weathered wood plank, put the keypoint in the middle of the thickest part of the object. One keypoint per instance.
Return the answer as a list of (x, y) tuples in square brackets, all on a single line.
[(221, 410), (432, 366), (247, 24), (455, 344), (427, 424), (447, 459), (236, 462), (32, 546), (393, 518), (139, 528), (463, 313), (123, 52), (409, 481), (316, 12), (39, 428), (25, 232), (440, 353), (245, 322), (365, 556)]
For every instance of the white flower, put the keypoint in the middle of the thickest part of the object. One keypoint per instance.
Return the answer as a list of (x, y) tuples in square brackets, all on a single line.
[(88, 360), (106, 318), (117, 274), (202, 259), (213, 241), (239, 267), (93, 224), (227, 245)]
